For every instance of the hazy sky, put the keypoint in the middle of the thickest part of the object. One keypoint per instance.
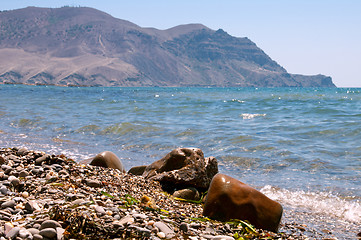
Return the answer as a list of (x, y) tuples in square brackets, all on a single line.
[(304, 36)]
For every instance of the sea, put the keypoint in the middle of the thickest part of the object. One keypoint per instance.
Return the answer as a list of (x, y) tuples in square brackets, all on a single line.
[(299, 146)]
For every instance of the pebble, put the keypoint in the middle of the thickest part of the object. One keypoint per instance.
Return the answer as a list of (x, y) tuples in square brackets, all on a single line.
[(48, 232), (13, 233), (8, 204), (50, 224)]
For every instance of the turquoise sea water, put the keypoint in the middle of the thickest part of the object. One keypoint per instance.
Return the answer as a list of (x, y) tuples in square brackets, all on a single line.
[(300, 146)]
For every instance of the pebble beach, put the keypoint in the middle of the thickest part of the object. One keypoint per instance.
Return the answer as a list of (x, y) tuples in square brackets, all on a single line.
[(46, 196)]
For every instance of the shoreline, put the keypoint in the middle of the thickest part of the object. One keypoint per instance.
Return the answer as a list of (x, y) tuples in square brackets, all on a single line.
[(91, 202)]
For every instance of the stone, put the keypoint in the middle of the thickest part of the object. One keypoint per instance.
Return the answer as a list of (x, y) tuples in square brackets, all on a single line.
[(8, 204), (187, 193), (42, 159), (138, 170), (22, 152), (49, 224), (37, 237), (165, 229), (229, 198), (32, 206), (23, 174), (24, 234), (183, 167), (3, 190), (100, 210), (2, 160), (14, 181), (93, 183), (60, 233), (48, 232), (13, 233), (33, 231), (184, 227), (109, 160)]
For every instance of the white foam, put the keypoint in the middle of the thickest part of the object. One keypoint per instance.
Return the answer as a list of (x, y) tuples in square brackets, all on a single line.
[(251, 116), (318, 203)]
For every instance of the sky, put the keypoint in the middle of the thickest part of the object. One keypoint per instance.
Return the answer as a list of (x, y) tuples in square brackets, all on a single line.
[(304, 36)]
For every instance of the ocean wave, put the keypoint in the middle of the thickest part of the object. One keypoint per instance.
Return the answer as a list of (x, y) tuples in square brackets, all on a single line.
[(251, 116), (317, 203)]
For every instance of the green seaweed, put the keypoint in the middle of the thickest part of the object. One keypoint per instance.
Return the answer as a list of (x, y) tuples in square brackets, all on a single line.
[(106, 194)]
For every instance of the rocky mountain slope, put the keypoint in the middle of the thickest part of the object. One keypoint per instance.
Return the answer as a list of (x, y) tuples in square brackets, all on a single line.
[(87, 47)]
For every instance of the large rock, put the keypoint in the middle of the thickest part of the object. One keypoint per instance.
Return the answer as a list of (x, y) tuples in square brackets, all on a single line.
[(183, 167), (109, 160), (229, 198)]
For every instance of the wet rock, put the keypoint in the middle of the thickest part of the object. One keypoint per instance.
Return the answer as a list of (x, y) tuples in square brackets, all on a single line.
[(138, 171), (107, 159), (183, 167), (229, 198), (187, 193)]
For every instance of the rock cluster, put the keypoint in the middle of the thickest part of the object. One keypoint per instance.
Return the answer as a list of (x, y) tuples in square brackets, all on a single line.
[(52, 197)]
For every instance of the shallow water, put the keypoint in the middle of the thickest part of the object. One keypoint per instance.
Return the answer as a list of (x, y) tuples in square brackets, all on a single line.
[(302, 147)]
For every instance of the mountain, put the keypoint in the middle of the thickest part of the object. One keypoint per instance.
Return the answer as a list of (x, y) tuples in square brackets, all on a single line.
[(86, 47)]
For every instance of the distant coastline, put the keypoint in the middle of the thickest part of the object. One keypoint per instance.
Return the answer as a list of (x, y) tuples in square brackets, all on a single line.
[(86, 47)]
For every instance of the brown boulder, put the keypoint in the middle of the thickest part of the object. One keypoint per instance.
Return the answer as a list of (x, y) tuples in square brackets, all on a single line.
[(229, 198), (107, 159), (138, 170), (183, 167)]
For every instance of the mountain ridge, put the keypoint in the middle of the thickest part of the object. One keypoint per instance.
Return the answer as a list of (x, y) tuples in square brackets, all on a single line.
[(86, 47)]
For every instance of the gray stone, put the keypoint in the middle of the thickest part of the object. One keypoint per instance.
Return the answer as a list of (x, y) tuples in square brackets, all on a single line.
[(22, 152), (59, 233), (143, 231), (33, 231), (165, 229), (3, 190), (93, 183), (50, 224), (8, 204), (187, 193), (13, 233), (48, 232), (100, 210), (23, 174), (37, 237), (24, 234), (41, 159)]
